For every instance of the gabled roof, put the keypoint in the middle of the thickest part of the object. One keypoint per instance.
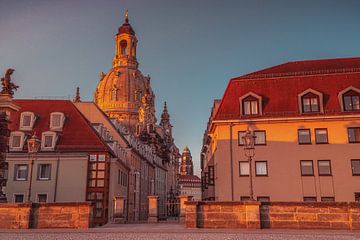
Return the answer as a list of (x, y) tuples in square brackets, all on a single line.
[(77, 134), (279, 87)]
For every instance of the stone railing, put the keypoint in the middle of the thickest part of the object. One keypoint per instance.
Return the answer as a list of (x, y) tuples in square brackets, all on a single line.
[(45, 215)]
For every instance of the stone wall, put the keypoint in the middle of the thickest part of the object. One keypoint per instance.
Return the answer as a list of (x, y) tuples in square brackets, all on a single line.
[(15, 215), (45, 215), (317, 215), (222, 215)]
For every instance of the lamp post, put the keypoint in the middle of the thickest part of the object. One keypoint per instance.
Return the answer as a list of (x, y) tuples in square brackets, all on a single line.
[(33, 145), (249, 149)]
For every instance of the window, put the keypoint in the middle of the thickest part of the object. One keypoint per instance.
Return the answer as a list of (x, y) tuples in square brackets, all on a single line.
[(354, 134), (21, 172), (328, 199), (244, 198), (250, 105), (27, 120), (260, 137), (304, 136), (261, 168), (324, 167), (18, 198), (114, 94), (44, 171), (211, 175), (240, 137), (57, 120), (263, 199), (42, 198), (310, 103), (17, 140), (310, 199), (48, 140), (351, 101), (321, 136), (123, 47), (357, 196), (244, 168), (355, 167), (307, 168)]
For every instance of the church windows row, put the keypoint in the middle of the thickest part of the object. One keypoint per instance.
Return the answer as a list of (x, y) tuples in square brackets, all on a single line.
[(310, 101)]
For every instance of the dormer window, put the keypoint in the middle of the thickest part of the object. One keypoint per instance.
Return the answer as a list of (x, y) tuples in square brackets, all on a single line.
[(27, 120), (17, 140), (57, 120), (310, 101), (250, 104), (48, 141), (351, 101)]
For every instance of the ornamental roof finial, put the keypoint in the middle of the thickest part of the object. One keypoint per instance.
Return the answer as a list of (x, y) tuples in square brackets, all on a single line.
[(126, 16)]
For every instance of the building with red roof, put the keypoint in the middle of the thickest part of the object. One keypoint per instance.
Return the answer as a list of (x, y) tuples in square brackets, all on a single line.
[(70, 164), (306, 119)]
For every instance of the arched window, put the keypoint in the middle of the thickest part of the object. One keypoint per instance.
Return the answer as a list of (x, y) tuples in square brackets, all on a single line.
[(351, 101), (123, 47), (250, 105), (310, 102)]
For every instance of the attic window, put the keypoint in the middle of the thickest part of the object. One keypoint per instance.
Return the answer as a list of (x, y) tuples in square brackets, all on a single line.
[(17, 140), (310, 103), (57, 120), (27, 120), (351, 101), (251, 106), (48, 141)]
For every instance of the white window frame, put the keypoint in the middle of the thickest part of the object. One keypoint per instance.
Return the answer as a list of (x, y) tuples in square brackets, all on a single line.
[(16, 167), (14, 198), (54, 139), (22, 140), (39, 171), (259, 98), (62, 121), (37, 197), (32, 121), (340, 96), (320, 103)]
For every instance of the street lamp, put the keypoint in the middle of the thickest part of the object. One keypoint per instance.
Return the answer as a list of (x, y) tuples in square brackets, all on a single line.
[(249, 148), (33, 145)]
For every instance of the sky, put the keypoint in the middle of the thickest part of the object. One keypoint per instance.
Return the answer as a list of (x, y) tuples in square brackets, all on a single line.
[(190, 48)]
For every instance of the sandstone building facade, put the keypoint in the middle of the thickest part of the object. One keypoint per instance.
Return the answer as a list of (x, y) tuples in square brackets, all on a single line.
[(189, 184), (306, 119)]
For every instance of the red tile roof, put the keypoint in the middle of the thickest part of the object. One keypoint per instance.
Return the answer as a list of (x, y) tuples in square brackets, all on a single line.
[(279, 87), (77, 134)]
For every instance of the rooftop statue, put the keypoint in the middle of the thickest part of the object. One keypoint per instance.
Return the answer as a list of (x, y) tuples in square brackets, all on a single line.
[(8, 87)]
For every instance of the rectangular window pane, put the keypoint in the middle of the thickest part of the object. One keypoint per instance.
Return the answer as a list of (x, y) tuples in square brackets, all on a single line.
[(263, 199), (357, 197), (26, 121), (328, 199), (101, 174), (247, 107), (101, 166), (321, 136), (307, 168), (101, 158), (16, 141), (260, 137), (100, 183), (254, 107), (48, 141), (21, 172), (244, 168), (93, 174), (44, 171), (347, 103), (304, 136), (355, 166), (310, 199), (314, 105), (244, 198), (240, 135), (42, 198), (93, 158), (354, 135), (306, 105), (356, 102), (324, 167), (19, 198), (261, 168), (55, 120)]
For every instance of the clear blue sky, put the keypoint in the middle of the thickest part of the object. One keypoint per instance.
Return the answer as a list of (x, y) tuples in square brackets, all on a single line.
[(189, 48)]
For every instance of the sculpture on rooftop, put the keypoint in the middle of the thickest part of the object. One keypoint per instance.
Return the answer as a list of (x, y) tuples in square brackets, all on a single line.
[(8, 86)]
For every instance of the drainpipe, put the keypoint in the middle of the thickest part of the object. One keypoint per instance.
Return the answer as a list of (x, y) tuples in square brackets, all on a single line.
[(231, 163), (56, 176)]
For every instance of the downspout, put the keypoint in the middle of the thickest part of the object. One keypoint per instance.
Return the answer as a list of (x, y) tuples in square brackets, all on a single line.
[(56, 176), (231, 163)]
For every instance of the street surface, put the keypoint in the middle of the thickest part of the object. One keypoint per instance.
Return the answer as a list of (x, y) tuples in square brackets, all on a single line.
[(165, 231)]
